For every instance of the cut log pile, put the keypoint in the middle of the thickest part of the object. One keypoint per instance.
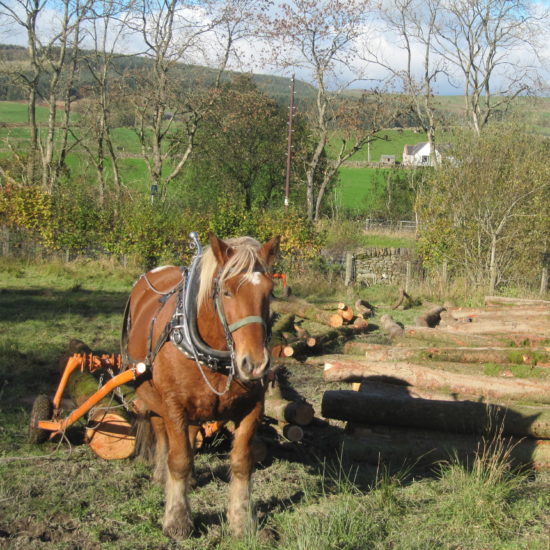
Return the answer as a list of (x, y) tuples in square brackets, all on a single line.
[(110, 430), (340, 321), (462, 382), (287, 416)]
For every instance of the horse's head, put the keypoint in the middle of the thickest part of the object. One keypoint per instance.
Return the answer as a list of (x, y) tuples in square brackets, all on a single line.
[(244, 288)]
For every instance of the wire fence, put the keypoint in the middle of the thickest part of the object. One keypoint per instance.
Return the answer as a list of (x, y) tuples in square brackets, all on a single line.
[(386, 225)]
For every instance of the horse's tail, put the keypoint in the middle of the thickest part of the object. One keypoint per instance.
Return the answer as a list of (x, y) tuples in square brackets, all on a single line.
[(145, 438)]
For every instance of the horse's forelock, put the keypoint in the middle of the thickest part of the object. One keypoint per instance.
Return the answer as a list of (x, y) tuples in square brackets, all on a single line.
[(244, 260)]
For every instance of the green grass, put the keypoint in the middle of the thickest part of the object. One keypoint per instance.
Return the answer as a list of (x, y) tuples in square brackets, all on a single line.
[(360, 189), (11, 111), (307, 497), (388, 142)]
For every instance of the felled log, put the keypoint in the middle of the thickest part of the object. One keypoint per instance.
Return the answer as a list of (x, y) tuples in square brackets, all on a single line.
[(390, 327), (290, 432), (431, 318), (360, 323), (402, 296), (364, 309), (345, 311), (340, 334), (529, 328), (277, 351), (303, 334), (374, 386), (502, 300), (337, 369), (479, 314), (110, 432), (360, 348), (299, 347), (283, 410), (525, 356), (110, 435), (394, 406), (460, 339), (284, 323), (301, 308), (399, 445), (335, 321)]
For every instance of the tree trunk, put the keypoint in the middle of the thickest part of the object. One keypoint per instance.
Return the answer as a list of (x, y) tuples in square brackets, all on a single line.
[(303, 309), (428, 447), (294, 412), (110, 433), (291, 432), (445, 336), (524, 326), (394, 406), (527, 356), (390, 327), (505, 301), (431, 319), (346, 370)]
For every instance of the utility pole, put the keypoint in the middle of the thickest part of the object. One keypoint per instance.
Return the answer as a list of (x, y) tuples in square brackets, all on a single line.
[(289, 142)]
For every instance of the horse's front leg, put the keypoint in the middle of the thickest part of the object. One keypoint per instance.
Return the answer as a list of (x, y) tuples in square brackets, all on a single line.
[(177, 522), (240, 512)]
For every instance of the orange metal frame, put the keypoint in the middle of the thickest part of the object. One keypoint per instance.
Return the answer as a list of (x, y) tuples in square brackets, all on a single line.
[(92, 363), (281, 276)]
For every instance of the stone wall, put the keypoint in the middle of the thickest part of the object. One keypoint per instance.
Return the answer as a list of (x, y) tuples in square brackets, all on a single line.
[(382, 265)]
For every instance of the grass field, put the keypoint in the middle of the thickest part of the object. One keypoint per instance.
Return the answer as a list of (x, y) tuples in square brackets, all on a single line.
[(63, 497), (359, 189), (388, 142)]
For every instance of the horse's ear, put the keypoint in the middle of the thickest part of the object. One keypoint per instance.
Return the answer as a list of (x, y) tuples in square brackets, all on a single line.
[(270, 249), (222, 251)]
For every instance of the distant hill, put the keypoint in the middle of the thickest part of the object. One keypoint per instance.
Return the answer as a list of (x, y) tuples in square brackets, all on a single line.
[(276, 87), (530, 112)]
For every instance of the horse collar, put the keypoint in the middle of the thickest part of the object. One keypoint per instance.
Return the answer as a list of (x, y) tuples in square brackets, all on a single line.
[(183, 332)]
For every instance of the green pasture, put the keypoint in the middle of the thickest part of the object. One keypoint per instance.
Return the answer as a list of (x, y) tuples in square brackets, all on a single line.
[(60, 495), (360, 189), (386, 142), (11, 111)]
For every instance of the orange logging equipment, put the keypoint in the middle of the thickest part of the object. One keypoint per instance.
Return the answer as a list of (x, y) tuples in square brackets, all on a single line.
[(46, 420)]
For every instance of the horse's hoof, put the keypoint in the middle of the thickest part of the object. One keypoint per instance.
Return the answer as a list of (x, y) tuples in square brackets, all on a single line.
[(180, 531)]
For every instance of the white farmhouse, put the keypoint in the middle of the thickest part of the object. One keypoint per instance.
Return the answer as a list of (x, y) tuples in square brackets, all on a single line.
[(419, 154)]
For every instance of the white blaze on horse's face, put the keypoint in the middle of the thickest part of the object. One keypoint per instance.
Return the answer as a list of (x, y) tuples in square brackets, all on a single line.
[(254, 278), (249, 297)]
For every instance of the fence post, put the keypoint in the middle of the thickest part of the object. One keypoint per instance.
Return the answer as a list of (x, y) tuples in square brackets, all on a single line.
[(5, 242), (408, 272), (544, 281), (349, 278), (444, 273)]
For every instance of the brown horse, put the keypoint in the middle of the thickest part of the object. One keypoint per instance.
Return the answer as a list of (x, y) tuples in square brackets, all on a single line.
[(207, 360)]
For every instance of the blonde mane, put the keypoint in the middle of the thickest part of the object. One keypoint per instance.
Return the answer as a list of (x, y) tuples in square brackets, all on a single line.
[(244, 261)]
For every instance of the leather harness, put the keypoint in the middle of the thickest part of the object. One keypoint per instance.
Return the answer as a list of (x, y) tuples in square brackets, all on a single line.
[(182, 330)]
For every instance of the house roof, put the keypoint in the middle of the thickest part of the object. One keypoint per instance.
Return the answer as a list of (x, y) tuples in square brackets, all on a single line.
[(413, 149)]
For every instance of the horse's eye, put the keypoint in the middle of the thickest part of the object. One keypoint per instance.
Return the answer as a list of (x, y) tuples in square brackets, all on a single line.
[(227, 293)]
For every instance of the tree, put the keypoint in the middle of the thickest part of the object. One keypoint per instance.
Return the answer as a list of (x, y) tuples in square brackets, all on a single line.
[(494, 46), (177, 32), (241, 146), (52, 55), (105, 31), (484, 207), (319, 37), (413, 23)]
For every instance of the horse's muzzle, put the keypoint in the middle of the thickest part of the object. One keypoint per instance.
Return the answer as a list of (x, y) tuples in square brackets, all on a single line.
[(249, 369)]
